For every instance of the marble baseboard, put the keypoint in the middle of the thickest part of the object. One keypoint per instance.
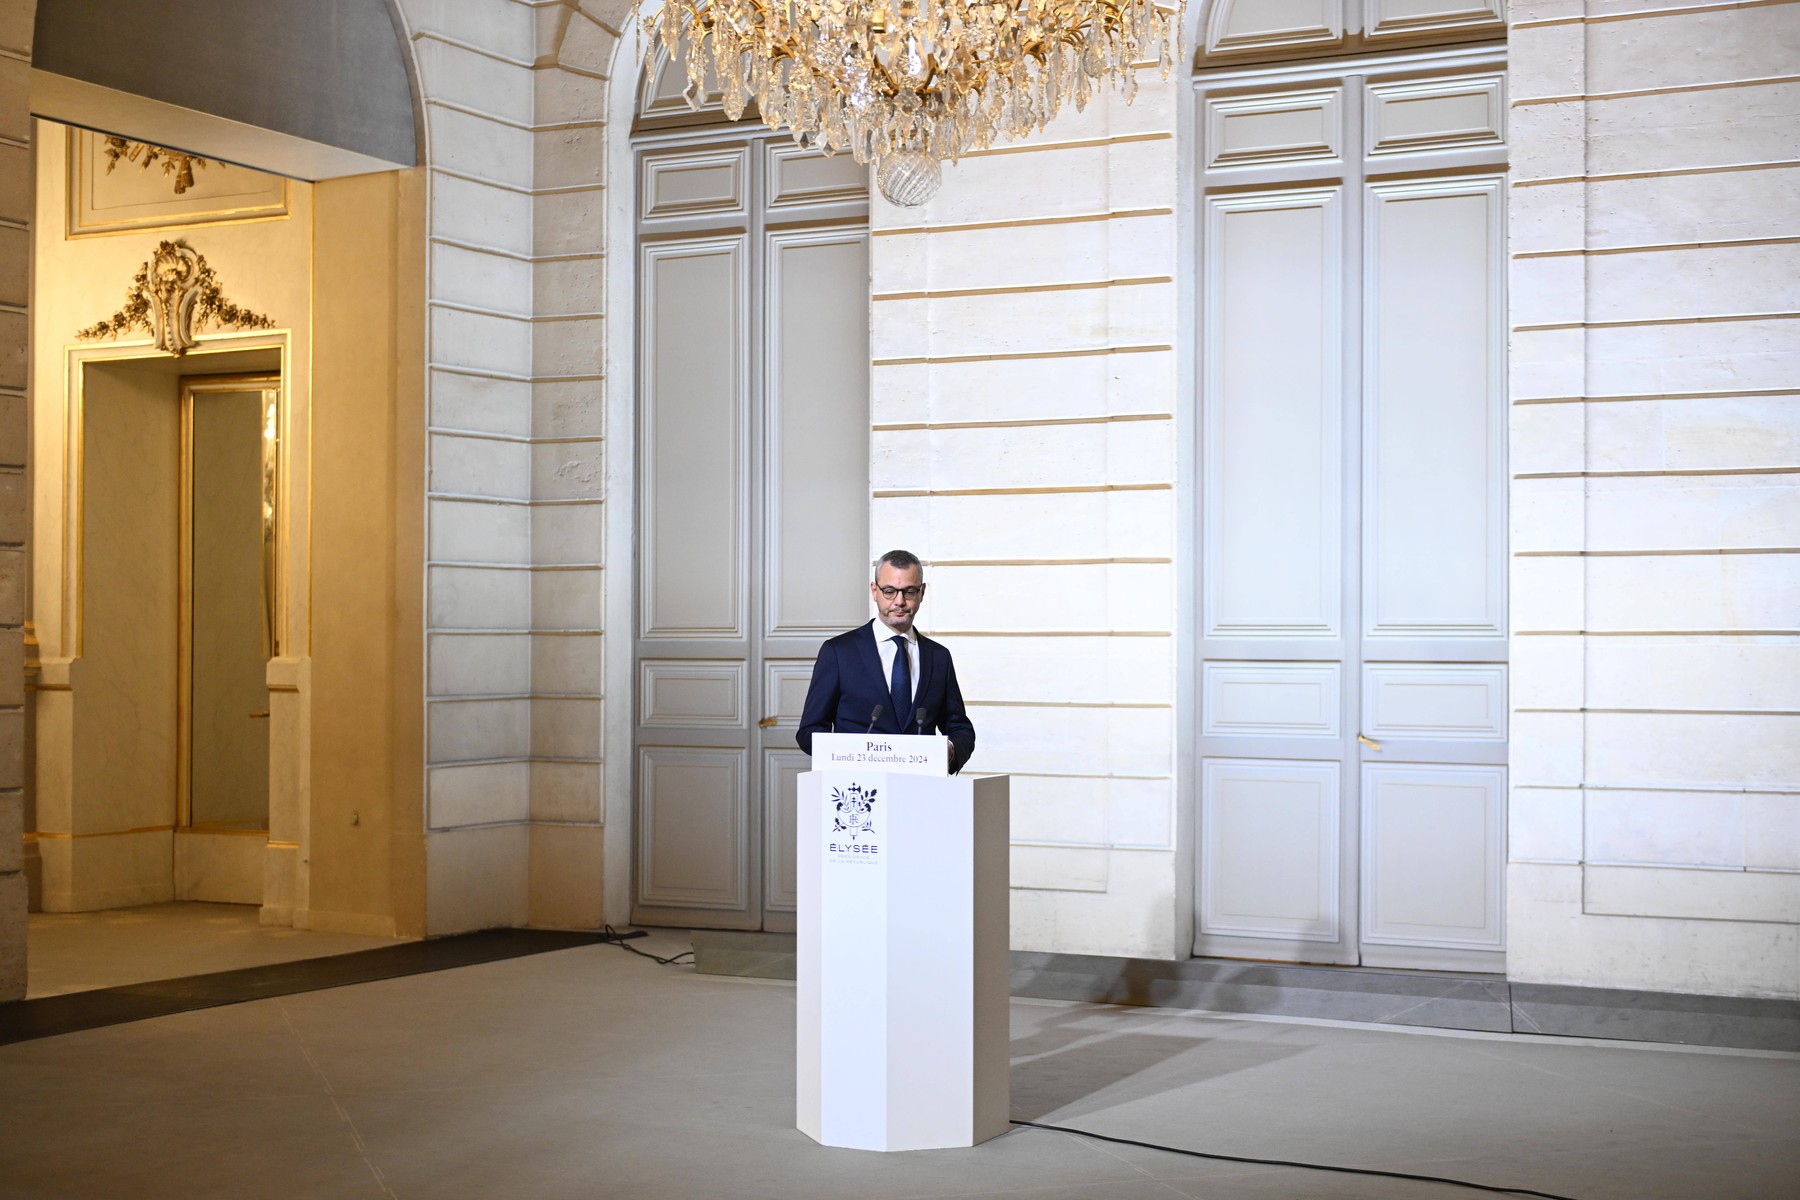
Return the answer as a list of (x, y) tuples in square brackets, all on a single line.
[(746, 955), (1745, 1023), (1379, 997), (1433, 999)]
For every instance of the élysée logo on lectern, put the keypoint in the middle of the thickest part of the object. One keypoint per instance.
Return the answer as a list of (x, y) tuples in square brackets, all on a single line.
[(852, 836)]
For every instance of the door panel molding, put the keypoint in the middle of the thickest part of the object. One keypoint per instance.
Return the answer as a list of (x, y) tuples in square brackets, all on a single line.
[(1270, 699), (693, 435), (1434, 413), (1271, 450), (689, 692), (1434, 848), (1269, 849), (1438, 701), (688, 793)]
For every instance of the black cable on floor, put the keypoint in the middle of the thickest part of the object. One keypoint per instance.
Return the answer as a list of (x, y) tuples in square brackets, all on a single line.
[(613, 937), (1305, 1166)]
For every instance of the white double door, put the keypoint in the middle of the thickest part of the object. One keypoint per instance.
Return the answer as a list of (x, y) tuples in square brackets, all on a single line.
[(1353, 516), (752, 501)]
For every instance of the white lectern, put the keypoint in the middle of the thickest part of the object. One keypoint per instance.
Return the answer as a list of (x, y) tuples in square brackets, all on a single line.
[(903, 979)]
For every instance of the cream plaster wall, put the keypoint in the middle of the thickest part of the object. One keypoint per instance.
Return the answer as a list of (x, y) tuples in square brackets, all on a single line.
[(346, 771), (366, 672), (1655, 835), (104, 816), (115, 818), (1025, 332)]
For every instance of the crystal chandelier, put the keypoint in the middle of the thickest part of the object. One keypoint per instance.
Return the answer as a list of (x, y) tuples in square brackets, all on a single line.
[(910, 83)]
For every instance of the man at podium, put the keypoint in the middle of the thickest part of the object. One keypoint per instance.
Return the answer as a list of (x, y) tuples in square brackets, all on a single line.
[(885, 677)]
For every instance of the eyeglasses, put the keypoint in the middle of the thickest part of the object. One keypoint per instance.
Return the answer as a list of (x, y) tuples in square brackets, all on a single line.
[(911, 593)]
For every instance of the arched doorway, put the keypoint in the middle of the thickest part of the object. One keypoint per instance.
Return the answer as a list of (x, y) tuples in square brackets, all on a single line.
[(262, 376), (753, 491), (1352, 518)]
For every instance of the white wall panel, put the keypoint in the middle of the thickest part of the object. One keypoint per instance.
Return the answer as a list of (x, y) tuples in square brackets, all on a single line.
[(1544, 825), (1073, 740), (1034, 456), (1269, 849), (1101, 597), (1698, 592), (1434, 848), (781, 837), (692, 444), (1069, 180), (1434, 701), (1093, 670), (1051, 323), (1275, 128), (692, 828), (1130, 524), (1273, 24), (991, 446), (1772, 831), (1702, 673), (1030, 255), (693, 183), (1726, 512), (1409, 18), (799, 178), (817, 413), (1272, 345), (1724, 433), (1631, 827), (1434, 419), (1084, 810), (691, 693), (1696, 895), (1435, 114), (1271, 699), (1757, 751), (1026, 389), (784, 689), (1059, 869)]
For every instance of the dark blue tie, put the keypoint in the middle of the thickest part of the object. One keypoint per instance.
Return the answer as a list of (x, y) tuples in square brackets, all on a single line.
[(900, 683)]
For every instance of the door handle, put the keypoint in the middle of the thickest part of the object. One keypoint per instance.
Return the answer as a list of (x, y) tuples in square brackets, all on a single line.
[(262, 715), (767, 722), (1365, 741)]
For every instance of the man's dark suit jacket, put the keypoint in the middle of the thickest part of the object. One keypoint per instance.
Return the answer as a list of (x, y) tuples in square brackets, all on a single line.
[(847, 684)]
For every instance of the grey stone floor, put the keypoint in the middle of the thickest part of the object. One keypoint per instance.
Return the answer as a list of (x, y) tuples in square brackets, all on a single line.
[(78, 952), (593, 1073)]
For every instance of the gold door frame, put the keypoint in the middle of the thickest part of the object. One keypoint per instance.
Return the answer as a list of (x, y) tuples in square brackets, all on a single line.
[(273, 593)]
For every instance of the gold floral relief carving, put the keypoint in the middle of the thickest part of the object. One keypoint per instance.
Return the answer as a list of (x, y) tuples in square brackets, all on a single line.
[(174, 162), (173, 296)]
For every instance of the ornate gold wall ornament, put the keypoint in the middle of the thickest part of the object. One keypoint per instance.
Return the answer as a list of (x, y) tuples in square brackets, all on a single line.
[(173, 295), (174, 162)]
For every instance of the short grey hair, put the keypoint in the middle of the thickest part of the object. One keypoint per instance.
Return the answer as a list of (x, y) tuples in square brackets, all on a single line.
[(900, 560)]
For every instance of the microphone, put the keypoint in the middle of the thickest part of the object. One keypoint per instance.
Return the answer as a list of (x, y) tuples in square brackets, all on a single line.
[(874, 716), (922, 720)]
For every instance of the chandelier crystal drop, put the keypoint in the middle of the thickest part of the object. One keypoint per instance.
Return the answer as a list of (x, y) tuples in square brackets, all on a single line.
[(936, 78)]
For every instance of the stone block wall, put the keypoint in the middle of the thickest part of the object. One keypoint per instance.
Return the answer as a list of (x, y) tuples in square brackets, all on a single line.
[(1025, 325), (15, 282), (514, 98), (1655, 225)]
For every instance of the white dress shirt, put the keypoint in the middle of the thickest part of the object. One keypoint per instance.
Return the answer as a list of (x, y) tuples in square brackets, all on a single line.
[(884, 642)]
